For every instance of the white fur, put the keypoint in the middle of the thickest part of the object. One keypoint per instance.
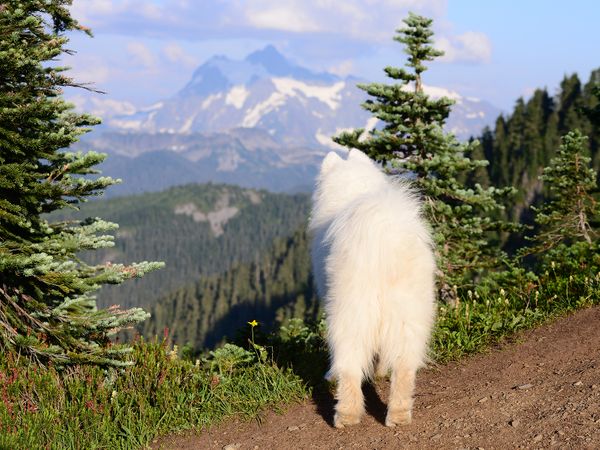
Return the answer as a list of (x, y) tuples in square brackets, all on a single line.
[(374, 267)]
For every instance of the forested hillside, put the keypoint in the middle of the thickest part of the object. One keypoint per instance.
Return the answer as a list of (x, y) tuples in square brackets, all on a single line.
[(195, 229), (236, 254), (522, 143), (275, 287)]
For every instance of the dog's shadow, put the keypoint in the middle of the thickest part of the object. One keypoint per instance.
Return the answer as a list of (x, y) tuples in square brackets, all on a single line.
[(374, 406)]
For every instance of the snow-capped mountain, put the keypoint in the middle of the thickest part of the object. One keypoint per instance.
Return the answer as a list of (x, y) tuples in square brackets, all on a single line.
[(254, 118), (294, 105)]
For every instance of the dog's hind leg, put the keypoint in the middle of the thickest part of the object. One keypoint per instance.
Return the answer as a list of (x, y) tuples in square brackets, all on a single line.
[(401, 395), (351, 359), (350, 402)]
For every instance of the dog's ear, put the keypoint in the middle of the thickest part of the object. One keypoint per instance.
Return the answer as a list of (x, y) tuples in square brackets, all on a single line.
[(357, 155), (329, 161)]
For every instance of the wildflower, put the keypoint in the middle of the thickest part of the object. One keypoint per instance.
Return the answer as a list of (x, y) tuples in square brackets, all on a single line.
[(113, 396), (173, 353), (253, 323), (197, 363)]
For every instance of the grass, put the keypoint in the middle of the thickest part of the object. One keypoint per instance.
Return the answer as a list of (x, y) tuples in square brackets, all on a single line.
[(481, 320), (90, 408)]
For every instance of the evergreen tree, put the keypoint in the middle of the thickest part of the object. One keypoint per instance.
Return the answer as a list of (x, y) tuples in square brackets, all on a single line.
[(46, 307), (524, 142), (591, 106), (570, 103), (412, 142), (411, 119), (564, 220), (593, 113)]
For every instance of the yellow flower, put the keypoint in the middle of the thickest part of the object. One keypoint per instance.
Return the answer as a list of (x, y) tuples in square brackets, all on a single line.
[(253, 323)]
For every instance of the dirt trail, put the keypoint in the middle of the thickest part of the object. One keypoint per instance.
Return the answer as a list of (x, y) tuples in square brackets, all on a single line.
[(540, 392)]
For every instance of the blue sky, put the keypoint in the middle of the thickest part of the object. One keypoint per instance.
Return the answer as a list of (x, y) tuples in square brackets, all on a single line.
[(145, 50)]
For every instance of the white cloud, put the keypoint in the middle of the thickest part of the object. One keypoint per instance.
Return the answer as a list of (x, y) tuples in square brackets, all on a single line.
[(141, 55), (342, 68), (371, 20), (88, 69), (282, 17), (471, 46), (85, 9), (331, 22), (93, 12), (177, 55), (101, 107)]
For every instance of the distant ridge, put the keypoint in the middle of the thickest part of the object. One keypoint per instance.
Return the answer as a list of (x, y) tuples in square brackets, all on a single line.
[(262, 121)]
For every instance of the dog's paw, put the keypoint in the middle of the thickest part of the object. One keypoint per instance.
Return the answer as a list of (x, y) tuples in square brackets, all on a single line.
[(340, 420), (398, 417)]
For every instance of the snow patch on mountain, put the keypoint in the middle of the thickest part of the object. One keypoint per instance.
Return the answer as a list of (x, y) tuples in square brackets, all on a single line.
[(154, 107), (187, 125), (125, 124), (475, 115), (439, 92), (371, 124), (327, 141), (328, 94), (237, 96), (209, 100), (253, 115), (102, 107)]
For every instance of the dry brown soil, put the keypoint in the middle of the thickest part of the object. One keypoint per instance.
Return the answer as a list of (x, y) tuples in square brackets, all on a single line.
[(540, 391)]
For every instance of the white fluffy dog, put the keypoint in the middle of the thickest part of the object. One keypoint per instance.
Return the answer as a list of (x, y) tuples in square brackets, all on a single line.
[(374, 267)]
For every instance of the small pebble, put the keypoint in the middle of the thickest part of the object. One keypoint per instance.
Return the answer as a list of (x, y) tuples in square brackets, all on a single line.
[(231, 446), (578, 383), (524, 386), (293, 428), (483, 400), (514, 423), (538, 438), (435, 437)]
